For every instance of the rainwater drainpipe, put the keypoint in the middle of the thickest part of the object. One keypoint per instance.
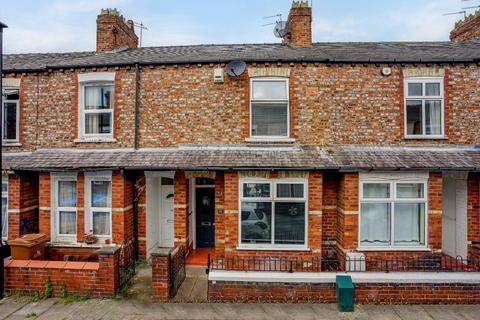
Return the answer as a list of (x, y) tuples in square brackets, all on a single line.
[(134, 180), (2, 280)]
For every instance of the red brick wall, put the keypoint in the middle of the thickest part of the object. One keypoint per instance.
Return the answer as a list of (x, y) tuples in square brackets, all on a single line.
[(22, 204), (435, 210), (142, 214), (180, 207), (70, 253), (371, 293), (122, 208), (219, 212), (473, 210), (94, 279), (347, 211), (329, 210), (175, 98), (44, 200)]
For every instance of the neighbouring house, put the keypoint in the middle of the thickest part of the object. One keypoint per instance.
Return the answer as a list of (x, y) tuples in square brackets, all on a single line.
[(317, 155)]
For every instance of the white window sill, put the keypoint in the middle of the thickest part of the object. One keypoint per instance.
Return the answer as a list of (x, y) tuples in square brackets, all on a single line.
[(78, 245), (394, 249), (425, 138), (270, 140), (11, 144), (273, 248), (96, 140)]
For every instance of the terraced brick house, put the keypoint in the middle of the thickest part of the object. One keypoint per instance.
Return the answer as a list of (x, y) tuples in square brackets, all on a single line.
[(316, 152)]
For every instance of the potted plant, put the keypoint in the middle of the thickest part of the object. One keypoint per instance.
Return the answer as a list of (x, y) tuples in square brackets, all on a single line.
[(90, 238)]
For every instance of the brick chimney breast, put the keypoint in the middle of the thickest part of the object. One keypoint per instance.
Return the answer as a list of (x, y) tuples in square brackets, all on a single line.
[(467, 29), (299, 24), (114, 32)]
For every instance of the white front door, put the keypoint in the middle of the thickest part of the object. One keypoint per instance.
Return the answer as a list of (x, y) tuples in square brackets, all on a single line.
[(166, 216), (454, 219)]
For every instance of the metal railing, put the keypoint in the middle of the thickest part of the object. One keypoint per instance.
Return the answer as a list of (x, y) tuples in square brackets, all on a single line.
[(126, 262), (177, 270), (427, 263)]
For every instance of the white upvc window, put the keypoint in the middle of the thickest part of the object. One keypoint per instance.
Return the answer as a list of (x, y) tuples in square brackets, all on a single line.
[(273, 213), (64, 200), (4, 206), (96, 105), (269, 108), (10, 115), (98, 197), (424, 108), (393, 213)]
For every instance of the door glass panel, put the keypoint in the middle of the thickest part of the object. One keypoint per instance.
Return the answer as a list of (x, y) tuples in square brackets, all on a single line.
[(204, 182)]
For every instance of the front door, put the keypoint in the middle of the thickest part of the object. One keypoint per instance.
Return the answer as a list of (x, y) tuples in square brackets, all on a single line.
[(205, 207), (454, 219), (166, 209)]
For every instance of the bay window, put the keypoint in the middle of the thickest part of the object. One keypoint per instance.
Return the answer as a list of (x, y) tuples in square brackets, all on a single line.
[(393, 213), (273, 213), (424, 104), (269, 108), (65, 207), (4, 206), (10, 115), (99, 204)]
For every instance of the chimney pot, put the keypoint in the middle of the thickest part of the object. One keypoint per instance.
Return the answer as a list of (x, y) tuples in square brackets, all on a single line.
[(299, 24)]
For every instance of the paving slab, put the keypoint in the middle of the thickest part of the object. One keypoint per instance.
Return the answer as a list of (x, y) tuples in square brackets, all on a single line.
[(9, 306)]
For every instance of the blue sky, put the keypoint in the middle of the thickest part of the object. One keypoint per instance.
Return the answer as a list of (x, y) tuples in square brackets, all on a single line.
[(69, 25)]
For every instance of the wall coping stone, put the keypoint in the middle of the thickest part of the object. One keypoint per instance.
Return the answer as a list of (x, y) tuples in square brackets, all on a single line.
[(106, 251), (161, 252), (360, 277)]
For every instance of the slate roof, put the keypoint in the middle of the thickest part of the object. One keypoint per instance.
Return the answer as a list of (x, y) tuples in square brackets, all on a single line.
[(250, 158), (341, 52)]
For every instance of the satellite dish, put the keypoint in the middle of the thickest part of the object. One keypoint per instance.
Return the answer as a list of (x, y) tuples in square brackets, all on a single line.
[(280, 29), (236, 68)]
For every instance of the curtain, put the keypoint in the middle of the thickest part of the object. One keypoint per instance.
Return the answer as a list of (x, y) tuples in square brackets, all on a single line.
[(101, 223), (67, 222), (433, 117), (409, 224), (375, 224), (67, 194), (101, 194)]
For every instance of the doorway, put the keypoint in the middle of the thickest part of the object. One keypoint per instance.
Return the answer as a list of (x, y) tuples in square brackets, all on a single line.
[(205, 213), (454, 217), (160, 212)]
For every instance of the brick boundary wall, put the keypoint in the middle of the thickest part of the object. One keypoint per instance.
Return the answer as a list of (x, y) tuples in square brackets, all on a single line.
[(93, 279), (161, 282), (365, 293)]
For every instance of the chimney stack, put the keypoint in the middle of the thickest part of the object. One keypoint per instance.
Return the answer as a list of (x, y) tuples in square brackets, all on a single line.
[(114, 32), (467, 29), (299, 24)]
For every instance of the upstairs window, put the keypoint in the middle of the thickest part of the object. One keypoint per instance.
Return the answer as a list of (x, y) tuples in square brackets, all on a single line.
[(424, 104), (269, 108), (98, 110), (96, 105), (10, 115)]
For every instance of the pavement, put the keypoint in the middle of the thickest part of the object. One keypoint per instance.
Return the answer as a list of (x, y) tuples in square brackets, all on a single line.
[(53, 309)]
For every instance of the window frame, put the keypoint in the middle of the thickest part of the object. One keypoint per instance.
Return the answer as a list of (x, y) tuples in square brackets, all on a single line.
[(267, 102), (17, 121), (423, 98), (89, 178), (55, 233), (392, 200), (94, 79), (272, 199), (5, 195)]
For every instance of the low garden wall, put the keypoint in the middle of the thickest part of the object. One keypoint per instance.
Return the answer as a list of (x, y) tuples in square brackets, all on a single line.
[(370, 288), (94, 279), (168, 272)]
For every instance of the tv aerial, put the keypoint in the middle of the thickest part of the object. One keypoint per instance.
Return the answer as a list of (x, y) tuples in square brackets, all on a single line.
[(281, 27), (235, 68), (464, 12)]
